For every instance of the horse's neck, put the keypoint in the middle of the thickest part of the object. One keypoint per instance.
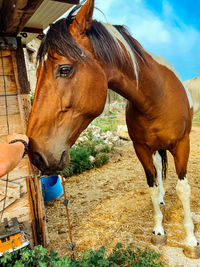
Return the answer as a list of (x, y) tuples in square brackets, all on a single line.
[(139, 92)]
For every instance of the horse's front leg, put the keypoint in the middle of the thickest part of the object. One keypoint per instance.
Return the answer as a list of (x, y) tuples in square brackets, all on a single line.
[(146, 158), (181, 153), (157, 161)]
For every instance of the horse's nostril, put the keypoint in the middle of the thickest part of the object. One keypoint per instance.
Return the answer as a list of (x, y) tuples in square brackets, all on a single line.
[(38, 161), (62, 160)]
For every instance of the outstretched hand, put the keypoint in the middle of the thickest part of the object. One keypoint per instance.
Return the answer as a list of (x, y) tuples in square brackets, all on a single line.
[(11, 154)]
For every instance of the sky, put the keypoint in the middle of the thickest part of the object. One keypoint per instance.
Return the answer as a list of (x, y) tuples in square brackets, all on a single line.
[(167, 28)]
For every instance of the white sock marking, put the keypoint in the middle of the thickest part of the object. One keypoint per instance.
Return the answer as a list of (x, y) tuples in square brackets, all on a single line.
[(157, 161), (183, 192), (158, 229)]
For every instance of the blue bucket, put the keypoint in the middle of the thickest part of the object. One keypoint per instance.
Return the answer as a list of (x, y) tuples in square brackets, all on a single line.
[(51, 187)]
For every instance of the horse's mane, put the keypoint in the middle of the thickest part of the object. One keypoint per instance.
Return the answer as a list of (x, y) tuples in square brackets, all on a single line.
[(104, 38)]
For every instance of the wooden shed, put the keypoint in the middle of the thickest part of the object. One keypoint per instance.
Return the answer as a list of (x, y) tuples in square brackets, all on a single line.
[(20, 192)]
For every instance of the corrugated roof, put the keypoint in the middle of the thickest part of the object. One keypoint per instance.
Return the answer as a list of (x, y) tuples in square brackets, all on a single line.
[(47, 13)]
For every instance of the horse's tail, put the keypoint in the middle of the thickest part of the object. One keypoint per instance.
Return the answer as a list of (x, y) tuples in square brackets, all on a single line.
[(163, 154)]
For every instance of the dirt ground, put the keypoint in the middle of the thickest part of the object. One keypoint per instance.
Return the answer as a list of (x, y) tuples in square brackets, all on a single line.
[(112, 204)]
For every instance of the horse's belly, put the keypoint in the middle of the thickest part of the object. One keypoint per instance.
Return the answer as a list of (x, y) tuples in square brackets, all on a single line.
[(157, 135)]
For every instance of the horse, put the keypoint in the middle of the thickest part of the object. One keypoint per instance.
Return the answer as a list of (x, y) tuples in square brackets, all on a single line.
[(79, 58), (193, 86)]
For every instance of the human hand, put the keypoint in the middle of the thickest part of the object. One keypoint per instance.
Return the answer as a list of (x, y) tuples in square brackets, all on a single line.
[(14, 136)]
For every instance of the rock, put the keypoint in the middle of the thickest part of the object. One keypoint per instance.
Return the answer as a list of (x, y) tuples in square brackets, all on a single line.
[(91, 159), (122, 132)]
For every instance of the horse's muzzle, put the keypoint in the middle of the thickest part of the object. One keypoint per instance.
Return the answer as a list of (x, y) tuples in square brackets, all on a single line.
[(48, 164)]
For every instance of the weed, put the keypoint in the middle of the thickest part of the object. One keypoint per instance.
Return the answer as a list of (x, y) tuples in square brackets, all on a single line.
[(120, 256)]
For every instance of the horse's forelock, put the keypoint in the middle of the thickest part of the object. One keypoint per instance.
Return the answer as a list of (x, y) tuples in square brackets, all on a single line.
[(58, 39)]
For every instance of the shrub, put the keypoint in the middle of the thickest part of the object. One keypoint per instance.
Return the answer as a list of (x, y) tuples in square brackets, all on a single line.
[(108, 123), (81, 161), (101, 159), (39, 256), (81, 153)]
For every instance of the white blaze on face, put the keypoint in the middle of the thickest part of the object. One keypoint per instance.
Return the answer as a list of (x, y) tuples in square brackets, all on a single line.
[(164, 62)]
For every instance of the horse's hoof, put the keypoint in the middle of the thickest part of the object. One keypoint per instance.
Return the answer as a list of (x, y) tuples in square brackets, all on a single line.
[(192, 252), (158, 239)]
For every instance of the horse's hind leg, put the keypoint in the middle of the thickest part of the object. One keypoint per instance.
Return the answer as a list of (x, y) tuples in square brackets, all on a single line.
[(181, 154), (145, 157)]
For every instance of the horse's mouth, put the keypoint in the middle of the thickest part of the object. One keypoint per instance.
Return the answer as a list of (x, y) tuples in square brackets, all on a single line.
[(51, 165)]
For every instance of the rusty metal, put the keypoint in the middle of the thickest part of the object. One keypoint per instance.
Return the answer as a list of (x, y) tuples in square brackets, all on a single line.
[(72, 244)]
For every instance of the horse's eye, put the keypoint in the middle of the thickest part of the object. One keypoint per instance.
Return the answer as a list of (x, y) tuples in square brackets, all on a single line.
[(65, 71)]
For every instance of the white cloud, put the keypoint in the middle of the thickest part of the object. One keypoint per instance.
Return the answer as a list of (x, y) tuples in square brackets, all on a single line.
[(165, 34), (104, 5), (151, 31)]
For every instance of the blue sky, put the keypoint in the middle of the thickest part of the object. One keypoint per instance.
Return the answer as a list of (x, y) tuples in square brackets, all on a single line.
[(167, 28)]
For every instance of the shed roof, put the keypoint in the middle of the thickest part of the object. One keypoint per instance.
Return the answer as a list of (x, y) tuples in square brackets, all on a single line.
[(31, 16)]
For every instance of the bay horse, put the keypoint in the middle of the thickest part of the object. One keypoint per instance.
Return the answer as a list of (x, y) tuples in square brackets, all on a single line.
[(79, 58)]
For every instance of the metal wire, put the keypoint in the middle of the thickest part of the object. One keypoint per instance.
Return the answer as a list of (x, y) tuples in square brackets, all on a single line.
[(8, 128)]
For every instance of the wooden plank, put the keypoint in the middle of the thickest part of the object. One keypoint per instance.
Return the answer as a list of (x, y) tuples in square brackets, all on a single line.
[(9, 201), (5, 53), (12, 105), (20, 69), (8, 66), (32, 30), (73, 2), (19, 209), (10, 85), (15, 14), (40, 210), (13, 190), (2, 197), (14, 124), (31, 197), (25, 107)]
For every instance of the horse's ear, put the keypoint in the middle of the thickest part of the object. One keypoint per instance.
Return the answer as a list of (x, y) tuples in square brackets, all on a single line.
[(83, 19)]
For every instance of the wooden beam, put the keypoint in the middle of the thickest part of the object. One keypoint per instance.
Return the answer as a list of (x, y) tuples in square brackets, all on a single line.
[(32, 30), (73, 2), (21, 73), (15, 14)]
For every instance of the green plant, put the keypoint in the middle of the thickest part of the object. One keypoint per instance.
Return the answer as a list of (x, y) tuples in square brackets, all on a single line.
[(81, 153), (196, 118), (101, 159), (41, 257), (32, 97), (108, 123)]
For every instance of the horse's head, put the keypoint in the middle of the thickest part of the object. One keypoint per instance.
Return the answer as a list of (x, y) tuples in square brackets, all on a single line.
[(70, 92)]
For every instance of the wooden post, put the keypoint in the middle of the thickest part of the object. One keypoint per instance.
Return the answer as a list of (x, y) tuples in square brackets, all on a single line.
[(26, 203)]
